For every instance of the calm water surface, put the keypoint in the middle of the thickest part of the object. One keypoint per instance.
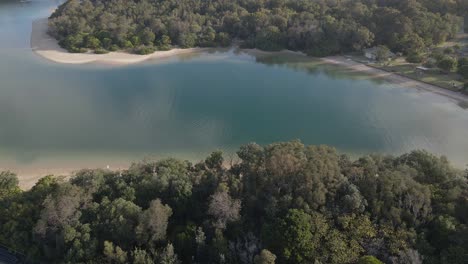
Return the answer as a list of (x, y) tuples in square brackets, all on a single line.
[(188, 106)]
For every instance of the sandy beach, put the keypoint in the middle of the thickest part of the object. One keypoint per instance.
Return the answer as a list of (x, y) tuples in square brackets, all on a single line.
[(61, 166), (394, 78), (48, 48)]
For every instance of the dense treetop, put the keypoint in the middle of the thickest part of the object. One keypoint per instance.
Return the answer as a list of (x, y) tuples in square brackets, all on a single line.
[(317, 27), (282, 203)]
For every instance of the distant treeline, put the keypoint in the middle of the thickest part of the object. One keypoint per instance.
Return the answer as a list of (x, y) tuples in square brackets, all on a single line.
[(282, 203), (317, 27)]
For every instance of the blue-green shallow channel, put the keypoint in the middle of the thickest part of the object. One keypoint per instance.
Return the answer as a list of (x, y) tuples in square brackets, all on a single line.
[(93, 115)]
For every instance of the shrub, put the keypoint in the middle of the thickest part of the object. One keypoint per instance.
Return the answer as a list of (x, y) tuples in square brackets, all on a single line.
[(106, 43), (143, 50), (437, 55), (127, 44), (447, 63), (463, 61), (369, 260), (415, 58), (164, 43), (223, 39), (101, 51), (463, 71), (114, 47), (382, 53), (92, 42), (449, 51), (430, 63)]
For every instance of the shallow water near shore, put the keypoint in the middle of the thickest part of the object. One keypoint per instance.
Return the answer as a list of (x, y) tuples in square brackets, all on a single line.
[(55, 118)]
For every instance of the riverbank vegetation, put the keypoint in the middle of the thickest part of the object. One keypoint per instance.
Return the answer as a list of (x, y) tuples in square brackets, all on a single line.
[(316, 27), (282, 203)]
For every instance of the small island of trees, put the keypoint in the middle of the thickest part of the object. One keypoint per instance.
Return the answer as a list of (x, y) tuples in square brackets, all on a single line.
[(282, 203)]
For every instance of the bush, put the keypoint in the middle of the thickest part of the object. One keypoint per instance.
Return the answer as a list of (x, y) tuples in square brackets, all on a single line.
[(462, 61), (383, 53), (92, 42), (101, 51), (437, 55), (106, 43), (223, 39), (465, 88), (114, 47), (430, 63), (127, 44), (415, 58), (164, 43), (369, 260), (447, 63), (449, 51), (463, 71), (187, 40), (143, 50)]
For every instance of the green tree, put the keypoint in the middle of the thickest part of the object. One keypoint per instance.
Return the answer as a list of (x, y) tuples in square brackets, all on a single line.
[(153, 223), (463, 70), (168, 256), (447, 63), (147, 37), (382, 53), (140, 256), (114, 254), (369, 260), (92, 42), (265, 257), (8, 184), (292, 237)]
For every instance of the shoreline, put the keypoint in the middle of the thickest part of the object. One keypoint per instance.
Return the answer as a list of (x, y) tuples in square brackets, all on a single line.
[(47, 47), (395, 78)]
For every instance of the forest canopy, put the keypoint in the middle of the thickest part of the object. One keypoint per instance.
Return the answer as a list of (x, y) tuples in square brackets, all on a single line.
[(317, 27), (281, 203)]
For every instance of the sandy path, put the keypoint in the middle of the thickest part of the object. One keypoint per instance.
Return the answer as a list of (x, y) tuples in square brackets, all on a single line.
[(395, 78)]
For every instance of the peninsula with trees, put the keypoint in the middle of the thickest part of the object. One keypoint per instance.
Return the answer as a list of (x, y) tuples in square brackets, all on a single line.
[(318, 28)]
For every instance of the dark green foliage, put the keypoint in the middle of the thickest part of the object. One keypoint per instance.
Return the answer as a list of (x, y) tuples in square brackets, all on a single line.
[(316, 27), (293, 237), (414, 57), (447, 63), (282, 203), (382, 53), (463, 67), (8, 184), (142, 50), (100, 51), (369, 260), (449, 50), (265, 257)]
